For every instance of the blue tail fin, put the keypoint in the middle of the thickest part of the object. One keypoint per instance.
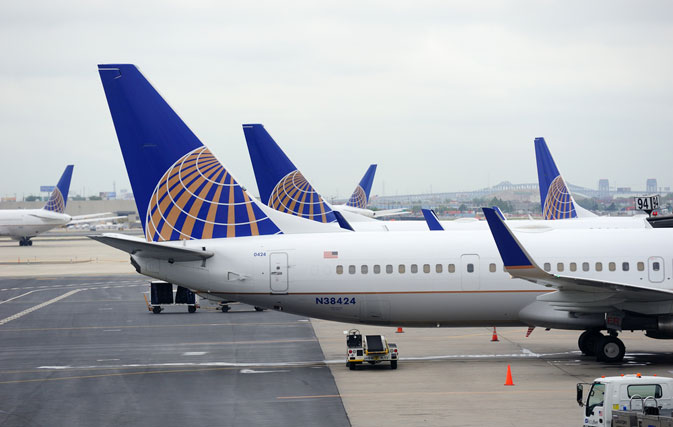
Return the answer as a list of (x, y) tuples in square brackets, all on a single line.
[(432, 220), (182, 191), (555, 198), (360, 196), (281, 185), (59, 197)]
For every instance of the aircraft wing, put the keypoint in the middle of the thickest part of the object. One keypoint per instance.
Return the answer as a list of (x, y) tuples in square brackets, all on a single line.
[(389, 212), (92, 220), (78, 217), (161, 251), (573, 292)]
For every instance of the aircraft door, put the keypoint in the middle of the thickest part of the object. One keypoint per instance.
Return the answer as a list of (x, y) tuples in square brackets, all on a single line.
[(469, 272), (655, 269), (278, 273)]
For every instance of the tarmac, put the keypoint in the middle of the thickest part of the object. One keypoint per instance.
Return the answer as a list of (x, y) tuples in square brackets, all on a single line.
[(79, 347)]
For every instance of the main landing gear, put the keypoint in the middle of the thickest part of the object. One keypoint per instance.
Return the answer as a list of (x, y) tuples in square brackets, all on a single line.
[(25, 241), (606, 348)]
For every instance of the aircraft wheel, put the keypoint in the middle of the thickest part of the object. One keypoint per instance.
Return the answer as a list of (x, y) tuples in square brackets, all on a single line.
[(21, 243), (393, 364), (156, 309), (587, 342), (610, 349), (191, 309), (258, 308), (30, 243)]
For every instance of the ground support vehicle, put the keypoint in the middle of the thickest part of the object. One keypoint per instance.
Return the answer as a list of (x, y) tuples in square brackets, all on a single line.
[(161, 294), (370, 349), (627, 401)]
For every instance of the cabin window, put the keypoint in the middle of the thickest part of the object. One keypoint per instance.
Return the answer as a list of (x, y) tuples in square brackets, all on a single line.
[(400, 268), (491, 268), (612, 266), (547, 266), (470, 268), (364, 269), (377, 269), (599, 266), (389, 269), (438, 268), (426, 268), (641, 266), (351, 269), (340, 269), (656, 266), (559, 266), (585, 266), (644, 390), (414, 268), (573, 266), (452, 268), (625, 266)]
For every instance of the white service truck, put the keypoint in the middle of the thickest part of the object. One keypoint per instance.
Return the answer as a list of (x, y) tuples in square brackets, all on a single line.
[(370, 349), (627, 400)]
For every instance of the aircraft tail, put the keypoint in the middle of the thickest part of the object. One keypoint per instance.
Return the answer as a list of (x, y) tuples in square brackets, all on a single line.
[(360, 196), (182, 191), (59, 197), (281, 185), (555, 198)]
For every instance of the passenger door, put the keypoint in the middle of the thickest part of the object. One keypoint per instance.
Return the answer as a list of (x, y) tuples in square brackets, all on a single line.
[(655, 269), (469, 272), (278, 273)]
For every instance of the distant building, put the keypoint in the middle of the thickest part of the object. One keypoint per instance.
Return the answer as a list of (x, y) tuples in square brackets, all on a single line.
[(603, 188), (623, 189), (651, 186)]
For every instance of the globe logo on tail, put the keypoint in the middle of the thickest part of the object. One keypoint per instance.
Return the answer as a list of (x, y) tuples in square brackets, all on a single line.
[(294, 195), (198, 199), (559, 203), (358, 199), (55, 202)]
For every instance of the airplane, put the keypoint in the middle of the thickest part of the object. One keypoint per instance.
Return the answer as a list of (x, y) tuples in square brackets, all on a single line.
[(282, 186), (204, 232), (24, 224)]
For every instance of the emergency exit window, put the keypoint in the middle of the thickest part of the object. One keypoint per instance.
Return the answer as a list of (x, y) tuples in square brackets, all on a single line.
[(644, 390), (470, 268), (656, 266)]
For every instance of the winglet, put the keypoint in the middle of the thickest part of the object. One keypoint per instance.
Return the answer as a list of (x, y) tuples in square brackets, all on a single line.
[(342, 221), (432, 220), (513, 255), (360, 196), (59, 197), (499, 212)]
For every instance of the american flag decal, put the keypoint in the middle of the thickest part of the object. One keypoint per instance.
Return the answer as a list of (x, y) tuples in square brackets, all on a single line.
[(331, 254)]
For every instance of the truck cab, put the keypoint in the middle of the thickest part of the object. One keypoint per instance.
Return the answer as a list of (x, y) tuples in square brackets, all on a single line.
[(612, 398)]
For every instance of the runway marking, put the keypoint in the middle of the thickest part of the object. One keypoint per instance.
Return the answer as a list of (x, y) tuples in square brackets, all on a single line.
[(18, 296), (287, 324), (37, 307), (194, 353), (252, 371)]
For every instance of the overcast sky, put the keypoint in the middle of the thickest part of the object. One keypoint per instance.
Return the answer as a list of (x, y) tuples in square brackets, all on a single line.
[(442, 95)]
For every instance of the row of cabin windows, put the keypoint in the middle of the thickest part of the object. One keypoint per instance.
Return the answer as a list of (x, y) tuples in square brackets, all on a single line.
[(402, 268), (451, 268)]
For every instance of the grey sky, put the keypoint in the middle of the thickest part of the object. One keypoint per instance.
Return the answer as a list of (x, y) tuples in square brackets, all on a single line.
[(442, 94)]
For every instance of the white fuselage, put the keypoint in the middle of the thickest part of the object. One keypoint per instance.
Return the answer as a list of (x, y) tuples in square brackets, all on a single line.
[(450, 278), (26, 223)]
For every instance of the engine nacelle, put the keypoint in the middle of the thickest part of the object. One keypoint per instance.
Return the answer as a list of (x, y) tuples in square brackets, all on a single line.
[(664, 329), (542, 314)]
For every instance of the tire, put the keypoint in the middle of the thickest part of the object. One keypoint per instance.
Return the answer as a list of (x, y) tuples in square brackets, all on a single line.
[(30, 243), (259, 309), (352, 366), (156, 309), (224, 308), (191, 309), (610, 350), (393, 364), (587, 342)]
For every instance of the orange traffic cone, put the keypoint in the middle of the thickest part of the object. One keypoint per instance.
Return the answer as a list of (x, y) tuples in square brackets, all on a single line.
[(509, 381), (399, 330), (495, 336)]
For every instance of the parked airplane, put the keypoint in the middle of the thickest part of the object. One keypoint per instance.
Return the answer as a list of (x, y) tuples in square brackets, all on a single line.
[(283, 187), (204, 232), (24, 224)]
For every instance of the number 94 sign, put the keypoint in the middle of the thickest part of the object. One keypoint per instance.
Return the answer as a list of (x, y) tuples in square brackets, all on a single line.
[(647, 203)]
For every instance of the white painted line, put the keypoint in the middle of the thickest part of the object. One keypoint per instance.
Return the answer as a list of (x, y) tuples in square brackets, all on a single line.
[(18, 296), (112, 330), (37, 307), (252, 371), (194, 353), (107, 360)]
